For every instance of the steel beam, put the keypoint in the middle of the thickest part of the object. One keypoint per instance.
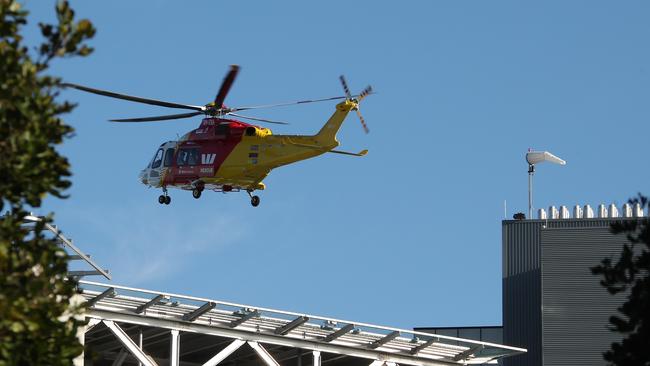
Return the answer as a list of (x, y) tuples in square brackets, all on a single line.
[(149, 304), (109, 292), (339, 333), (129, 344), (264, 354), (465, 354), (316, 358), (85, 273), (150, 335), (312, 345), (200, 311), (380, 342), (285, 329), (424, 345), (232, 347), (246, 317)]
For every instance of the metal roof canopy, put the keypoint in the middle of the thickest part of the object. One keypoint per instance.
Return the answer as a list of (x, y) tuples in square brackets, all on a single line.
[(113, 304)]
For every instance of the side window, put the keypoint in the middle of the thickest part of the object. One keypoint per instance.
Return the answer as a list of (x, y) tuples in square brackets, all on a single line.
[(193, 157), (157, 160), (187, 157), (169, 156), (181, 157)]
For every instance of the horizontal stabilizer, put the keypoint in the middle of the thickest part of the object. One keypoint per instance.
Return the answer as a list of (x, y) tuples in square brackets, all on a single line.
[(360, 153)]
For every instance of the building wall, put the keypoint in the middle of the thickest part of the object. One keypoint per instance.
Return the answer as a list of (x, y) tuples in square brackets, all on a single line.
[(525, 243), (575, 308)]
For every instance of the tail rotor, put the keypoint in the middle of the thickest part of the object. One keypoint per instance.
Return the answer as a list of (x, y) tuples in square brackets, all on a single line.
[(356, 99)]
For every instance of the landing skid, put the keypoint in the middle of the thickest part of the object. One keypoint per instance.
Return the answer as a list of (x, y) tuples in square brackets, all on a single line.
[(165, 199)]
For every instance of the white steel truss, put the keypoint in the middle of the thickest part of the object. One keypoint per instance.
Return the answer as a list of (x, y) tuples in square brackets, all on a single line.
[(255, 325)]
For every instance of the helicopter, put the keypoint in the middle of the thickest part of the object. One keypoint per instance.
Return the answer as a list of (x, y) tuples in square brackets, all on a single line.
[(225, 154)]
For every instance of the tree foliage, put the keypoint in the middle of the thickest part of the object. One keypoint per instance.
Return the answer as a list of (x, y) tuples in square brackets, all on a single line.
[(37, 323), (630, 274)]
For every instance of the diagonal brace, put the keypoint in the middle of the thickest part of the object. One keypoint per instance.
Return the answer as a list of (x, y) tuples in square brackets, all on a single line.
[(129, 344), (264, 354), (232, 347)]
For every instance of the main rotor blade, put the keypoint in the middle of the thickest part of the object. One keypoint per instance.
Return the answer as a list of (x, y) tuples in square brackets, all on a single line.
[(345, 87), (133, 98), (363, 121), (158, 118), (225, 86), (364, 93), (236, 109), (258, 119)]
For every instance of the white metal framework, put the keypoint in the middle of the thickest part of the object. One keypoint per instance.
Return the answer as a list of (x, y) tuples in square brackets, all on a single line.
[(74, 253), (165, 314)]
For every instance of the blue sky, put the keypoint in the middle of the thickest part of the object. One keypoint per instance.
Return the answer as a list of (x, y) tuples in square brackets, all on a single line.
[(408, 236)]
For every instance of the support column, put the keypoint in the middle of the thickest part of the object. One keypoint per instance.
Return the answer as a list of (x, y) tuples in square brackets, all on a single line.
[(174, 352), (316, 358), (81, 336), (140, 344)]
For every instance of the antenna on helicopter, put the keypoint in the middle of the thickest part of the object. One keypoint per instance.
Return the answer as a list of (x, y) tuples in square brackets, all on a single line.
[(364, 93)]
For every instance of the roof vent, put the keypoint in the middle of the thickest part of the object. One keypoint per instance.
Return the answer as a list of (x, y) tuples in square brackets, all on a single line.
[(602, 211), (541, 214), (588, 212), (564, 212), (627, 210), (553, 213), (613, 211), (577, 212)]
